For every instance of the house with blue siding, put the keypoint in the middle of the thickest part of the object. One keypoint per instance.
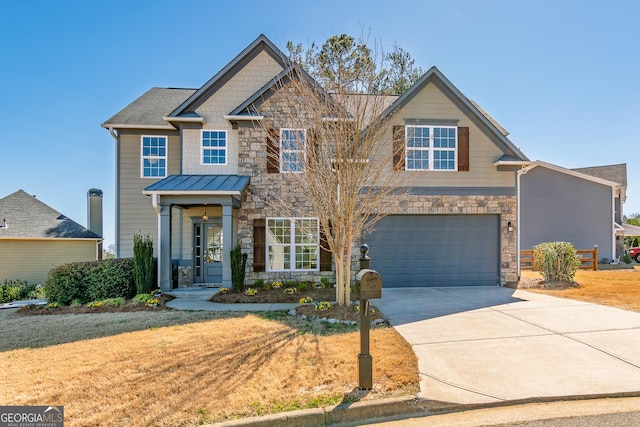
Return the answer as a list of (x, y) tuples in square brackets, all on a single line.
[(579, 206)]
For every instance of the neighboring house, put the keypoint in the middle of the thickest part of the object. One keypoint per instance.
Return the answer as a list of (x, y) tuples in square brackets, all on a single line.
[(34, 238), (192, 171), (580, 206)]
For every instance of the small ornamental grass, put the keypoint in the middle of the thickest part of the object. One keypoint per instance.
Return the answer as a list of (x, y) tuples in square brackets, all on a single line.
[(251, 292)]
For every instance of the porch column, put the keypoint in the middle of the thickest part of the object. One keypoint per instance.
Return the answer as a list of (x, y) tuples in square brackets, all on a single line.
[(227, 244), (164, 247)]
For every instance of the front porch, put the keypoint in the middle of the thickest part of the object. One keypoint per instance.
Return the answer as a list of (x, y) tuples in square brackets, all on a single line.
[(213, 236)]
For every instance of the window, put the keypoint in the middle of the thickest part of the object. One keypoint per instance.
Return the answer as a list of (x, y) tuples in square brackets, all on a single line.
[(292, 244), (292, 149), (431, 148), (154, 156), (214, 147)]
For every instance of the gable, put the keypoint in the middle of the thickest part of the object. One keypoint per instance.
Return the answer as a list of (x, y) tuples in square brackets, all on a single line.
[(261, 45), (480, 119)]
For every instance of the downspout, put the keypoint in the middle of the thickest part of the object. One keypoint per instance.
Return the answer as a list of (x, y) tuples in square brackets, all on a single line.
[(155, 202), (613, 221), (116, 139), (519, 173)]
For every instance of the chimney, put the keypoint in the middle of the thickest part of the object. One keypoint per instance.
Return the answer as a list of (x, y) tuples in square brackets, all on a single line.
[(94, 214)]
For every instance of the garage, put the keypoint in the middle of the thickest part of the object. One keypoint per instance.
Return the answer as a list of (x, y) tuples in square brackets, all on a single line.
[(436, 250)]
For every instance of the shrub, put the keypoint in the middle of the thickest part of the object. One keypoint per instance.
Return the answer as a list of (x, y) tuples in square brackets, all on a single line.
[(143, 263), (635, 243), (14, 290), (324, 281), (238, 264), (556, 261), (291, 284), (82, 282), (303, 287)]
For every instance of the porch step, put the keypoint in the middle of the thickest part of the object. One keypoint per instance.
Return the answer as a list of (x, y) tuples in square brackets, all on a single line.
[(193, 292)]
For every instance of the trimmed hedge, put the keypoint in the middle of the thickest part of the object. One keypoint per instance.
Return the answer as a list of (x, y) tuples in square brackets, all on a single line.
[(91, 281)]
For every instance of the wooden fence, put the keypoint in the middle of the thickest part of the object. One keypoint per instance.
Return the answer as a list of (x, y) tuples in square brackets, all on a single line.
[(588, 259)]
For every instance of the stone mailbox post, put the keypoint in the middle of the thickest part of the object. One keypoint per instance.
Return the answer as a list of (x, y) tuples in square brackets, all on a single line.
[(370, 284)]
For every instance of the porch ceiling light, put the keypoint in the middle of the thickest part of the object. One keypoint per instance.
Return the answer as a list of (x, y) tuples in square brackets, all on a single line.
[(205, 217)]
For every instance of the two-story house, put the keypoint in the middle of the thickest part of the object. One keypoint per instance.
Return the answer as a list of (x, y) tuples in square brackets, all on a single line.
[(193, 171)]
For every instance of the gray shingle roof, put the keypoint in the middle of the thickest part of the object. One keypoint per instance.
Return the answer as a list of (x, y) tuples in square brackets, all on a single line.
[(615, 173), (28, 217), (151, 107)]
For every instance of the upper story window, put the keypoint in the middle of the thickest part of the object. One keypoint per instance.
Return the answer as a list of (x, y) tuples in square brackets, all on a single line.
[(154, 156), (431, 148), (293, 244), (292, 151), (214, 147)]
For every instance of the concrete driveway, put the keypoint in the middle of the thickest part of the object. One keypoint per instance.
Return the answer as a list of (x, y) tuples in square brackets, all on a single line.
[(479, 345)]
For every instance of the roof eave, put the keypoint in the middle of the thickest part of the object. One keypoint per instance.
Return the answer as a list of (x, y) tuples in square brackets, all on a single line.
[(191, 193), (137, 126)]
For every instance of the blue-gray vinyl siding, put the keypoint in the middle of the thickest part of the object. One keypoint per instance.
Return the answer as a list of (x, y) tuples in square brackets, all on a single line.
[(436, 250), (555, 206)]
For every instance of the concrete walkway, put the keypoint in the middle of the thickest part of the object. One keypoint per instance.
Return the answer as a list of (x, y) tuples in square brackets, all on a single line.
[(485, 345)]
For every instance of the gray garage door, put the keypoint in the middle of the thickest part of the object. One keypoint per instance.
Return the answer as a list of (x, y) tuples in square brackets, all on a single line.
[(436, 250)]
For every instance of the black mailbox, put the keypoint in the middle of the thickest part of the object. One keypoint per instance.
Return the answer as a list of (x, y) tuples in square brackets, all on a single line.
[(370, 284)]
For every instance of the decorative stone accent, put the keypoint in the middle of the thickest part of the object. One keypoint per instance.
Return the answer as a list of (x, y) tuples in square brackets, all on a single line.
[(184, 276)]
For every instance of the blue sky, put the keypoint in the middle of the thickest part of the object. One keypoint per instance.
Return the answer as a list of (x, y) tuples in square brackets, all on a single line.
[(561, 76)]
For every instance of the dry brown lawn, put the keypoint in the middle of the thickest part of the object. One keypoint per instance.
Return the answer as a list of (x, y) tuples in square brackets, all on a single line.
[(617, 288), (192, 368)]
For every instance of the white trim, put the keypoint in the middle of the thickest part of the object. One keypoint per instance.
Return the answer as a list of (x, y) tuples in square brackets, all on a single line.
[(128, 126), (242, 117), (431, 149), (302, 150), (226, 147), (184, 119), (49, 239), (165, 157), (191, 193), (511, 163), (292, 245)]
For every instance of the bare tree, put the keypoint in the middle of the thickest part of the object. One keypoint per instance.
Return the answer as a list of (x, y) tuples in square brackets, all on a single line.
[(338, 149)]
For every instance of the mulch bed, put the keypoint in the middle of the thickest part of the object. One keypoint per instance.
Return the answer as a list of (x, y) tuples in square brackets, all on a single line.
[(129, 305), (528, 283), (271, 296), (274, 296)]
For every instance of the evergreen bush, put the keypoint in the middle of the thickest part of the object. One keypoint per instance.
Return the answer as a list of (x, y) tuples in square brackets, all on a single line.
[(556, 261), (143, 263), (82, 282), (238, 264)]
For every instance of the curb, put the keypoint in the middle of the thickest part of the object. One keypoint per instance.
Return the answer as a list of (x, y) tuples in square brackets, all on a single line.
[(391, 409), (343, 414)]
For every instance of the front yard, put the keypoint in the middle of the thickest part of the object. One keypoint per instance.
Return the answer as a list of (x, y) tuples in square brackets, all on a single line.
[(616, 288), (190, 368)]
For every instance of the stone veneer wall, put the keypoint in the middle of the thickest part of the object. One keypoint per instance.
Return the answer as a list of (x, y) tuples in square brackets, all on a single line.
[(260, 200)]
